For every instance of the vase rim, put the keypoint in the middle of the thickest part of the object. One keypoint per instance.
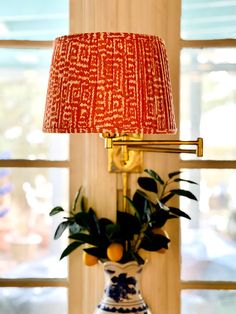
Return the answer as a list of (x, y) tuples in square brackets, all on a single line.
[(123, 265)]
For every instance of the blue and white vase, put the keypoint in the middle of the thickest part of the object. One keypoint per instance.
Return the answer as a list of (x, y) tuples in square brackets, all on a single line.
[(122, 290)]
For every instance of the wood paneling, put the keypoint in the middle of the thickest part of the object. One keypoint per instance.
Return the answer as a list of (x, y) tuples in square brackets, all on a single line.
[(138, 16)]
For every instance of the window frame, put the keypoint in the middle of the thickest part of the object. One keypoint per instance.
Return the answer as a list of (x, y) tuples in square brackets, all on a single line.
[(206, 164), (26, 163), (174, 46)]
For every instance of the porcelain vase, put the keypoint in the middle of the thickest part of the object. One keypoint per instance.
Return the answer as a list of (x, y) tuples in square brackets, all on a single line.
[(122, 290)]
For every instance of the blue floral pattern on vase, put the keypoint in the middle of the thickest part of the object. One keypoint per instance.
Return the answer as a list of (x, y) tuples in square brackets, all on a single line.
[(122, 290), (121, 287)]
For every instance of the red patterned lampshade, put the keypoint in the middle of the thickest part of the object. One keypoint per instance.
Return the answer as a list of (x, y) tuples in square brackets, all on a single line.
[(109, 82)]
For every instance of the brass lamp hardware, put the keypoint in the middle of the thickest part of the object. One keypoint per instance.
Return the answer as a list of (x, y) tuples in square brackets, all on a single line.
[(125, 152)]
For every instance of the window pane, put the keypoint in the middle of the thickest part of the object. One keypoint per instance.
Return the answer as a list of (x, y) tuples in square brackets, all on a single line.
[(33, 300), (33, 19), (23, 85), (208, 302), (208, 19), (27, 247), (208, 100), (209, 238)]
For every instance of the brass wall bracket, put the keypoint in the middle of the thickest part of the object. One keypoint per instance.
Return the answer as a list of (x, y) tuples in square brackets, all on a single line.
[(125, 152), (121, 158)]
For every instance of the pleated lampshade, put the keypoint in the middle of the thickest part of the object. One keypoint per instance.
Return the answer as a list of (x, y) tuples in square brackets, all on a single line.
[(109, 82)]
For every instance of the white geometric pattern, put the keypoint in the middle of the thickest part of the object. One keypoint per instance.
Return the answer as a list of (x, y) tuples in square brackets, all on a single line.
[(109, 82)]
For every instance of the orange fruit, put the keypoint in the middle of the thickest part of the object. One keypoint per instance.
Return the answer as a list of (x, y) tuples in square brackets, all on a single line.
[(115, 252), (89, 260), (165, 234)]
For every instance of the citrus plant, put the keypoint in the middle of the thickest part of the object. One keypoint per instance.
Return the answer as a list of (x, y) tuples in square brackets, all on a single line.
[(141, 227)]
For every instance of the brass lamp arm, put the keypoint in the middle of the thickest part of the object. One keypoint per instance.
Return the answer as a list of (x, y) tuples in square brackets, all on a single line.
[(169, 150), (152, 145)]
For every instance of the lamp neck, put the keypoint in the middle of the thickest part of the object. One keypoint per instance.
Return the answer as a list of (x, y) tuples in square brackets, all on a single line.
[(108, 137)]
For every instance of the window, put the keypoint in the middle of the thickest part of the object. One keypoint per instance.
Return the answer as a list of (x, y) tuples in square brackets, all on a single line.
[(208, 108), (34, 171), (37, 171)]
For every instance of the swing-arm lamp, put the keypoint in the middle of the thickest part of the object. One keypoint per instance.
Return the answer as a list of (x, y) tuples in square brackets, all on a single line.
[(124, 151)]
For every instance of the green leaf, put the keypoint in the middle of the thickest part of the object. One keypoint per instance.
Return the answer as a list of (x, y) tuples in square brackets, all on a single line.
[(184, 193), (138, 258), (174, 174), (83, 204), (61, 228), (113, 231), (159, 218), (74, 228), (70, 248), (94, 226), (86, 238), (76, 199), (148, 184), (137, 208), (184, 180), (154, 175), (162, 206), (179, 212), (167, 197), (142, 206), (56, 210), (99, 252), (103, 223), (132, 203), (129, 224), (154, 242), (82, 219)]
